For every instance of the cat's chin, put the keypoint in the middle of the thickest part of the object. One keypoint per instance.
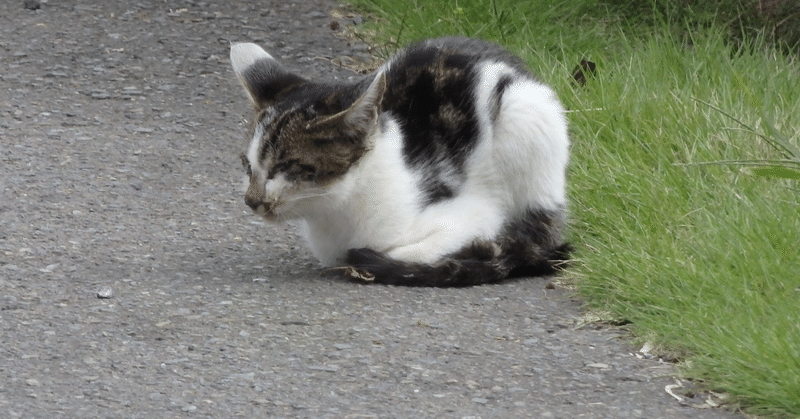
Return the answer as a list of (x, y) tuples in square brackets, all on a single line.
[(272, 216)]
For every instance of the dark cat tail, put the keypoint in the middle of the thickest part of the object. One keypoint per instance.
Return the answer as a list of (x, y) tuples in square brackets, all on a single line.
[(530, 245), (475, 265), (480, 263)]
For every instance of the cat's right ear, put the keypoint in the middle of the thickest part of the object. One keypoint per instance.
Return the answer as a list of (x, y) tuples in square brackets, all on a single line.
[(261, 76)]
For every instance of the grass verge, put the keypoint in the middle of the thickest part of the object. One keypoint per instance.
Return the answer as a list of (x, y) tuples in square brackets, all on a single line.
[(679, 229)]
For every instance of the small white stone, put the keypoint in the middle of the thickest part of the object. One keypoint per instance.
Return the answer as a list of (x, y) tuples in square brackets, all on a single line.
[(105, 292), (597, 365), (49, 268)]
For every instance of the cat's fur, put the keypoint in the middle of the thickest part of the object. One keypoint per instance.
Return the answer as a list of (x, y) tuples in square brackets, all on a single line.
[(445, 167)]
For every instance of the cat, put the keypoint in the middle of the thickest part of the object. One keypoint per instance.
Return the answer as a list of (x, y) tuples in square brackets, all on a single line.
[(444, 167)]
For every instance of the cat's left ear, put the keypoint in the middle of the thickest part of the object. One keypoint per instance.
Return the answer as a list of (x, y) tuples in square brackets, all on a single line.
[(262, 76), (362, 116)]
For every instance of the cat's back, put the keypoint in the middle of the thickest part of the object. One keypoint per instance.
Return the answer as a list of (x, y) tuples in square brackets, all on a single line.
[(430, 94), (455, 54), (443, 71), (447, 97)]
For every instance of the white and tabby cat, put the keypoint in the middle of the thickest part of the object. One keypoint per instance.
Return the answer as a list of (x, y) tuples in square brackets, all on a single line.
[(445, 167)]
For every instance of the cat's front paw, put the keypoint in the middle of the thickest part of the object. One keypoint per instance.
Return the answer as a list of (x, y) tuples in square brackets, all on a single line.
[(358, 274), (353, 273)]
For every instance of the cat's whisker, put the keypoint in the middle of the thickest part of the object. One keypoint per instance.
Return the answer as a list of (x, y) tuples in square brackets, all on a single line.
[(309, 195), (294, 215)]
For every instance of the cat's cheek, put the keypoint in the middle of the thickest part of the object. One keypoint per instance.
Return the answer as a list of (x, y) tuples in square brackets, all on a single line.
[(274, 188), (276, 192)]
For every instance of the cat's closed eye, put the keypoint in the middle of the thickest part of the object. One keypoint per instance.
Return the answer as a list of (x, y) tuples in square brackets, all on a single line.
[(246, 164), (294, 171)]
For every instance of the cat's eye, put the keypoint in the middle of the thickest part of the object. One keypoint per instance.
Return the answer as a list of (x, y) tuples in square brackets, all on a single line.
[(307, 172), (294, 171), (246, 164)]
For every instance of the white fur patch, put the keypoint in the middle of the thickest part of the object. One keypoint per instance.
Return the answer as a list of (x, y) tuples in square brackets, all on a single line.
[(531, 146), (245, 54), (255, 146)]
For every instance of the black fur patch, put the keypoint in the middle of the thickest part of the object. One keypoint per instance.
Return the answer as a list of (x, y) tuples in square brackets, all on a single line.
[(497, 95), (430, 92), (550, 262), (436, 189)]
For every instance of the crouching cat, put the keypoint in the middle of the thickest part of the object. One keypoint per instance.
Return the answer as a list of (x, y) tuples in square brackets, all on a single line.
[(445, 167)]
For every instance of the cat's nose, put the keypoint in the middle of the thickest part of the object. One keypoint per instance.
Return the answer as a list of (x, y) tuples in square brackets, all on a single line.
[(252, 202)]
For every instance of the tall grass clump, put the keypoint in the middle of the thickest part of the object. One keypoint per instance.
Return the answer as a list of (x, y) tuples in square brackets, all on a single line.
[(777, 21), (508, 22), (684, 201), (704, 256)]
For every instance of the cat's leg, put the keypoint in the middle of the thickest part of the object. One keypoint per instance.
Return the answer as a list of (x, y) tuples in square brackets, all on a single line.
[(460, 253)]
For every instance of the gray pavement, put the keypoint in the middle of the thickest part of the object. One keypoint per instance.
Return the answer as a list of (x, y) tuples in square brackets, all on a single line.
[(135, 283)]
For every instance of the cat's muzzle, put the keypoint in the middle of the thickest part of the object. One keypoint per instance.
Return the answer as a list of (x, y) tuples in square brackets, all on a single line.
[(258, 206), (253, 202)]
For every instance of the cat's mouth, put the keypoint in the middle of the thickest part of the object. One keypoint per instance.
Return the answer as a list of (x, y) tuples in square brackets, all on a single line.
[(264, 211)]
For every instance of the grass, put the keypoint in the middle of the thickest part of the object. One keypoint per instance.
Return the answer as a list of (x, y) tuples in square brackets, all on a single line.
[(680, 230)]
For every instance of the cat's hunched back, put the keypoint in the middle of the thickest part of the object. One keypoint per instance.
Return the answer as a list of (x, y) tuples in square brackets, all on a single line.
[(445, 167)]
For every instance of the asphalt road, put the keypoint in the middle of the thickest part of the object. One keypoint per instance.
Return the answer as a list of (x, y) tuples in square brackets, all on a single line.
[(135, 283)]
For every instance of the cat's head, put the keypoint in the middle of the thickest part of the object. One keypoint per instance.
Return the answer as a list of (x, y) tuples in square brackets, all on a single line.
[(305, 137)]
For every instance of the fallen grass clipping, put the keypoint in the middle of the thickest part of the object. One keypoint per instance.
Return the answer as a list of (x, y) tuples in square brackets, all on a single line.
[(683, 181)]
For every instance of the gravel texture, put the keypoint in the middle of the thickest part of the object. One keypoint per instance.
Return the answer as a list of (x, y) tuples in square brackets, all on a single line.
[(135, 283)]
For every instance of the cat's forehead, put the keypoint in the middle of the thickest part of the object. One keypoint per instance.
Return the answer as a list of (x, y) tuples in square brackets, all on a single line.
[(312, 99), (267, 118), (271, 123), (288, 126), (254, 148), (303, 106), (307, 95)]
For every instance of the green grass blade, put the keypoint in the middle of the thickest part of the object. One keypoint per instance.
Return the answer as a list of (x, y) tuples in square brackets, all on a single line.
[(777, 172)]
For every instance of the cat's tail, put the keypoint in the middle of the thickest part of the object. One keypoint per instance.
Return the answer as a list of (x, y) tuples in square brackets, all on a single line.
[(482, 262)]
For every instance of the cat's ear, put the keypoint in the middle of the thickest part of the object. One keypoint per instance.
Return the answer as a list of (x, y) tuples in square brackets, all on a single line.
[(260, 74), (362, 116), (366, 109)]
